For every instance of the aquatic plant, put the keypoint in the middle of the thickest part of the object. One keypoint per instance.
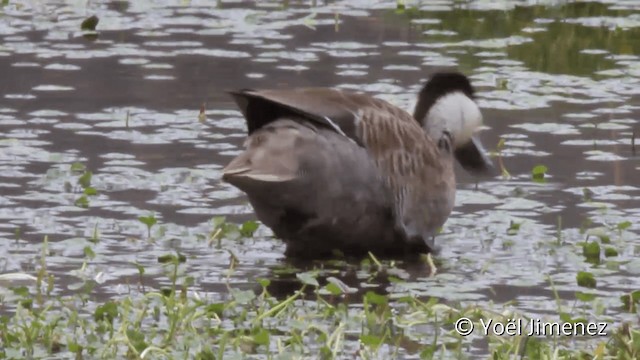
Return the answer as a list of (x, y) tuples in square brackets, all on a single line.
[(177, 320)]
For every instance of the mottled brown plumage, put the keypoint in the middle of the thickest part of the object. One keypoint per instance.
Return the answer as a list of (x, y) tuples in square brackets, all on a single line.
[(329, 169)]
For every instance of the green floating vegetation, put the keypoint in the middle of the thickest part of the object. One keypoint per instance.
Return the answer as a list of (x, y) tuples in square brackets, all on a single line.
[(610, 251), (83, 185), (514, 228), (586, 279), (591, 252), (223, 229), (538, 173), (172, 259), (585, 297), (630, 301), (149, 221), (82, 202), (314, 321), (321, 317), (248, 228), (90, 23), (624, 225)]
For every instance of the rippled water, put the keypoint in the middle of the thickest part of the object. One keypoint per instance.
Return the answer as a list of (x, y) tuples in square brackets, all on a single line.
[(559, 83)]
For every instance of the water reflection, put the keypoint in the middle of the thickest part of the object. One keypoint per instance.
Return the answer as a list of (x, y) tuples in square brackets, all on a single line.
[(568, 39)]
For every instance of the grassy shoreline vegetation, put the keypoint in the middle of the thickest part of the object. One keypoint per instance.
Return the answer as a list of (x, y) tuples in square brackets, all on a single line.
[(177, 322), (324, 318)]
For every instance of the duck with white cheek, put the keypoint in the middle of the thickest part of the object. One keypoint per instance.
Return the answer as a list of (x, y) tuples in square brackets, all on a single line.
[(330, 170)]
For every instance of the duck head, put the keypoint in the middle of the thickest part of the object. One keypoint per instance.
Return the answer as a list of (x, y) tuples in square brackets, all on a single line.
[(449, 115)]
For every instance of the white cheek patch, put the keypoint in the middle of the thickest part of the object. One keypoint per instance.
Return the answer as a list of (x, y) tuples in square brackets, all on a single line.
[(454, 112)]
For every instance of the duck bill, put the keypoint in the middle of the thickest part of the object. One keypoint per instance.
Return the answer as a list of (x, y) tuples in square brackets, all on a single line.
[(474, 159)]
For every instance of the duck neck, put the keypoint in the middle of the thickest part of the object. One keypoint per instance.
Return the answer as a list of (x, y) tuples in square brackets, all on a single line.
[(454, 113)]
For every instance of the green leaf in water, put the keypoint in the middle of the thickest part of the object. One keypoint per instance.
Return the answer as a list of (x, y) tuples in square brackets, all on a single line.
[(264, 282), (308, 278), (22, 291), (261, 337), (82, 202), (148, 220), (586, 279), (85, 179), (74, 347), (217, 309), (171, 258), (538, 173), (566, 317), (90, 191), (90, 23), (371, 340), (585, 297), (26, 303), (337, 286), (136, 338), (222, 228), (376, 299), (591, 251), (610, 251), (248, 228), (107, 311), (166, 291), (631, 300), (89, 253), (333, 289), (95, 237), (623, 225), (77, 167), (140, 268), (514, 227)]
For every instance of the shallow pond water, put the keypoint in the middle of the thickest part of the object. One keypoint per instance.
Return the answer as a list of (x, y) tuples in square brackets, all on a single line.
[(558, 83)]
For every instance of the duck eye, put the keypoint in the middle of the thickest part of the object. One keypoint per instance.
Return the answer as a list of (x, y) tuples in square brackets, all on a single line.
[(445, 141)]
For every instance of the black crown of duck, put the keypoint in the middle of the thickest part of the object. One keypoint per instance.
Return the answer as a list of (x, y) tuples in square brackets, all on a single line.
[(328, 169)]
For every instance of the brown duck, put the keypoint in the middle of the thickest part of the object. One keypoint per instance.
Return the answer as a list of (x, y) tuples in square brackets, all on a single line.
[(330, 170)]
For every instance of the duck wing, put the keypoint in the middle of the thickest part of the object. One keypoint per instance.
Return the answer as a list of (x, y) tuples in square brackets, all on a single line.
[(409, 162), (331, 108), (391, 135)]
